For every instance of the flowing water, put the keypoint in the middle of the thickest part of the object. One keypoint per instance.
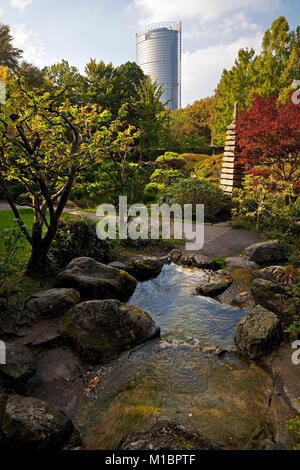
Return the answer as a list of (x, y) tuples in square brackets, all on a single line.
[(222, 398), (183, 316)]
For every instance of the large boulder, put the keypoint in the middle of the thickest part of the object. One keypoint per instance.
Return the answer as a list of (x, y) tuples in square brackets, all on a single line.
[(195, 260), (215, 285), (96, 281), (274, 297), (240, 262), (19, 368), (268, 252), (167, 435), (52, 302), (99, 330), (28, 423), (258, 333), (145, 267)]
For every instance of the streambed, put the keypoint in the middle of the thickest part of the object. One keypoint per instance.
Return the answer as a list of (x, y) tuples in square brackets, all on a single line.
[(222, 398)]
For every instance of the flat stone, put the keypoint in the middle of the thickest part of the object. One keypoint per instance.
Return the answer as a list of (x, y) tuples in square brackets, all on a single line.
[(216, 284), (240, 262), (96, 280), (52, 302), (117, 264), (196, 260)]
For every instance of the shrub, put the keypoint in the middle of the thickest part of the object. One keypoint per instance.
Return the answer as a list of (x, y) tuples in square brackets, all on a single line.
[(76, 237), (293, 425), (217, 205), (266, 205)]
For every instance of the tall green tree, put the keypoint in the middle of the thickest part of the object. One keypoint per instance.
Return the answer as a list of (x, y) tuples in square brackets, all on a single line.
[(152, 118), (9, 55), (61, 75), (271, 72), (98, 83)]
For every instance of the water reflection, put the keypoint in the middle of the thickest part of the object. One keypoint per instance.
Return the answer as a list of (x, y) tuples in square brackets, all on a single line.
[(183, 316)]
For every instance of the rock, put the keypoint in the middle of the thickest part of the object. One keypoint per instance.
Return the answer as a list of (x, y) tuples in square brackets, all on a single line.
[(52, 302), (242, 299), (99, 330), (117, 264), (215, 285), (268, 252), (31, 424), (273, 297), (271, 273), (167, 435), (240, 262), (258, 333), (19, 368), (96, 280), (194, 260), (145, 267)]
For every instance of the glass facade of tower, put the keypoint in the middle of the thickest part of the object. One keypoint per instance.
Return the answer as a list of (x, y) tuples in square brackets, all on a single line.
[(158, 51)]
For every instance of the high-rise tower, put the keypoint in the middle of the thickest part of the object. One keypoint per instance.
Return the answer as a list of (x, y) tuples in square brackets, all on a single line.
[(158, 52)]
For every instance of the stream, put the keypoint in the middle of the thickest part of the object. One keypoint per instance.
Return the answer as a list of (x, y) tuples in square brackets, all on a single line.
[(220, 397)]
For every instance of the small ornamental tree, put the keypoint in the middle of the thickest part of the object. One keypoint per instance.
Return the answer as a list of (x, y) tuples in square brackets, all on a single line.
[(45, 143), (269, 136)]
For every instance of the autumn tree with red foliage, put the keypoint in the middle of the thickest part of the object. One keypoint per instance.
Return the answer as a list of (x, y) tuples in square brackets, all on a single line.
[(269, 139)]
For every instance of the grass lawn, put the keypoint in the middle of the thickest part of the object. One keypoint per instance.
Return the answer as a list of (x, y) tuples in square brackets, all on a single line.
[(7, 221)]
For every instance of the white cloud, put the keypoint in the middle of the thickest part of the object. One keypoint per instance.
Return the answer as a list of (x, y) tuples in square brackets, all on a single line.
[(20, 4), (203, 10), (28, 41), (201, 69)]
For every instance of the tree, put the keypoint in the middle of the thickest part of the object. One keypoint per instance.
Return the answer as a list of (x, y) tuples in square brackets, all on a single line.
[(9, 55), (151, 114), (124, 88), (235, 85), (62, 75), (45, 143), (190, 127), (271, 72), (98, 83), (32, 75), (269, 136)]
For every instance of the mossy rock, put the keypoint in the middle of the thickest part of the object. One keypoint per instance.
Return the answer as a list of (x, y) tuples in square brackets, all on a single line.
[(167, 435), (28, 423), (99, 330), (216, 285), (52, 302), (95, 281), (273, 297), (19, 368), (258, 333), (145, 267)]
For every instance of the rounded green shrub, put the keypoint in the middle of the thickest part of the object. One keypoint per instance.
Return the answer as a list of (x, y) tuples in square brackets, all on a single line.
[(76, 237), (217, 205)]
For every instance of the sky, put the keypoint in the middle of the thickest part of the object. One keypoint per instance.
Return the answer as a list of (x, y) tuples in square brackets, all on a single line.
[(77, 30)]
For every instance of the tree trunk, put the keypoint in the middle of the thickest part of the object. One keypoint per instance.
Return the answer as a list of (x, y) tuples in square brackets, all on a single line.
[(37, 261)]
